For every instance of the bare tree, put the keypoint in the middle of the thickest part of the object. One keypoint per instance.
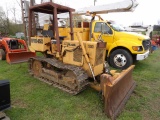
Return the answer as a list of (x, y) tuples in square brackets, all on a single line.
[(13, 11), (7, 11), (2, 17), (95, 2), (18, 3)]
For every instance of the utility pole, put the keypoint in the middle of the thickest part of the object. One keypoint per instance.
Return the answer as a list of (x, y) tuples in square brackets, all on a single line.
[(23, 19), (95, 2), (32, 3)]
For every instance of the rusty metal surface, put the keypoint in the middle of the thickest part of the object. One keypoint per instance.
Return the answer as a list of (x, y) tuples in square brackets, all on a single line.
[(48, 8), (101, 44), (117, 92), (53, 9), (99, 56), (37, 68), (49, 78)]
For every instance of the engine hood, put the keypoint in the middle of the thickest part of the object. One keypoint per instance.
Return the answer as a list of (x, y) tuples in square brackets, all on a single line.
[(131, 35)]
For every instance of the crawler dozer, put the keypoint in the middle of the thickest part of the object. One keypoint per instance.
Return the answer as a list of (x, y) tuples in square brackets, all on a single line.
[(73, 65)]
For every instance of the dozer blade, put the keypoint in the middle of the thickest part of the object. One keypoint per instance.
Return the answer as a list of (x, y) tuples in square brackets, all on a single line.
[(18, 57), (116, 91)]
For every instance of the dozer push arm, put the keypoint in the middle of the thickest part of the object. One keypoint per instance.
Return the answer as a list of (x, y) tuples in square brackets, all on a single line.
[(85, 55)]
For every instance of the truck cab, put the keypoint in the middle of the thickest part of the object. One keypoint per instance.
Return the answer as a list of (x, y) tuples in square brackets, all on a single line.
[(122, 47)]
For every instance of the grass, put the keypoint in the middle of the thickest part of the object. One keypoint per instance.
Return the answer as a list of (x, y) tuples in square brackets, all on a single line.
[(34, 100)]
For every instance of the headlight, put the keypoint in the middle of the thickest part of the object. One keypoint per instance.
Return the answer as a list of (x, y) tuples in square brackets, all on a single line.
[(137, 48)]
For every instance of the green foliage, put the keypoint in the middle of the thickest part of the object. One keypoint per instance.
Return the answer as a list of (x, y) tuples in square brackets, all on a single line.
[(144, 33), (34, 100), (156, 33), (23, 38), (14, 28), (11, 36)]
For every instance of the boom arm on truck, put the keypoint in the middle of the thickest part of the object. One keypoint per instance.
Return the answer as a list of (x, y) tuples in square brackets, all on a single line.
[(122, 47), (123, 6)]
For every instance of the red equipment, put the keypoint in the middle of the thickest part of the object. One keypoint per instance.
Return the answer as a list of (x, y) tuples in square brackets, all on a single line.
[(14, 50)]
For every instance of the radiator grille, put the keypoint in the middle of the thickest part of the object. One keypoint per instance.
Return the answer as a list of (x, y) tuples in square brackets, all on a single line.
[(146, 44), (99, 56), (77, 55)]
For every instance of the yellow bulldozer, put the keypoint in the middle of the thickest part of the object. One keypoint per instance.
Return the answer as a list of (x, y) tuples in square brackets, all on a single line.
[(72, 65)]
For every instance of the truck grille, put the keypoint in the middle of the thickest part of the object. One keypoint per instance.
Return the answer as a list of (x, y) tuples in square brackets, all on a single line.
[(146, 44)]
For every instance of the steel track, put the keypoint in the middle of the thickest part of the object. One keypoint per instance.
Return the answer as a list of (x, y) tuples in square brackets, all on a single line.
[(81, 75)]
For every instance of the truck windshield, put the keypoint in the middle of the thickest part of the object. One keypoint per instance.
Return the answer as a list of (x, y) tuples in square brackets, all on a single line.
[(117, 27)]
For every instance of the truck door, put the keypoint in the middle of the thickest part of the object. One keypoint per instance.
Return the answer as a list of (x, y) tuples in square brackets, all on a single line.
[(107, 35)]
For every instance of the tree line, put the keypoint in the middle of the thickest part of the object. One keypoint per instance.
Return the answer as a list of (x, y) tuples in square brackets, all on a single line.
[(8, 26)]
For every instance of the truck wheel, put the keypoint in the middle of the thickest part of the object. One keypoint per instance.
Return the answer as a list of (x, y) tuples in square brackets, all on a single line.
[(120, 59), (2, 54)]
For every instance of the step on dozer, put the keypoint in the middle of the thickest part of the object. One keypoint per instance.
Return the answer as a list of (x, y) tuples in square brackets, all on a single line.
[(116, 90)]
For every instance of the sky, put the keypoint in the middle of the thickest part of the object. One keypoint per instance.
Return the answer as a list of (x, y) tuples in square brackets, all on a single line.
[(147, 11)]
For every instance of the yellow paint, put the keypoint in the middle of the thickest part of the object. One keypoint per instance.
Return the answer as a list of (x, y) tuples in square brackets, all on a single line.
[(116, 39)]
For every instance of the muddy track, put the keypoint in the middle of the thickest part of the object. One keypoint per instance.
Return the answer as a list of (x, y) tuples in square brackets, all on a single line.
[(47, 77)]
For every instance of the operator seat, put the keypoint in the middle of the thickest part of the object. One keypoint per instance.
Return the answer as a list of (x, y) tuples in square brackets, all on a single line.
[(48, 33), (13, 44)]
